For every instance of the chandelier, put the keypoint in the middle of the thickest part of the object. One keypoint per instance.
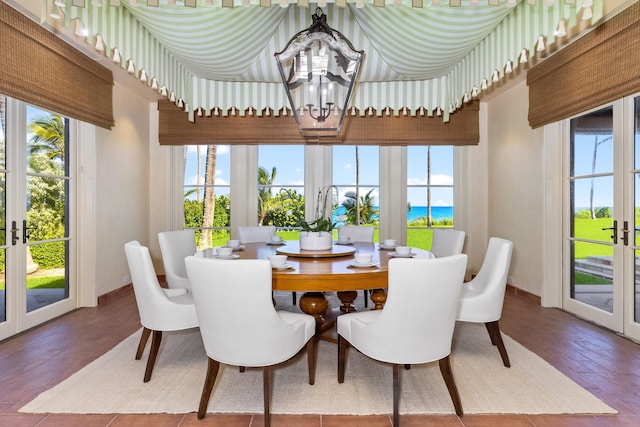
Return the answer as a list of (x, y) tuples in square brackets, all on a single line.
[(319, 67)]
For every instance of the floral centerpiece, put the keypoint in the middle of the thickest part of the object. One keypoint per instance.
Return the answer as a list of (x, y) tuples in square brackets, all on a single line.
[(316, 235)]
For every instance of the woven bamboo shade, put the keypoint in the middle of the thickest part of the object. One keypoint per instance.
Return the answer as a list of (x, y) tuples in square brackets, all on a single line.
[(176, 129), (41, 69), (600, 67)]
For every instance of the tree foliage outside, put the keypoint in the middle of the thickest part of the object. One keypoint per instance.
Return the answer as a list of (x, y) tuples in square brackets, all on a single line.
[(362, 211), (193, 215), (594, 213)]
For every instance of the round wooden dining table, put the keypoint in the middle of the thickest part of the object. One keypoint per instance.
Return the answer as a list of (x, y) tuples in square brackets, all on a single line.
[(315, 272)]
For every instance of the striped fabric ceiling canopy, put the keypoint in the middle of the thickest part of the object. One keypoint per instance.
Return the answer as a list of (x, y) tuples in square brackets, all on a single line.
[(216, 56)]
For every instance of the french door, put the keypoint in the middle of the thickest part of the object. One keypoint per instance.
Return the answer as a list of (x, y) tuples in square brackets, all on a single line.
[(34, 216), (601, 210)]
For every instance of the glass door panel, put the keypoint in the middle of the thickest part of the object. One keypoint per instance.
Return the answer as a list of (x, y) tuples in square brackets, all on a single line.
[(593, 230), (3, 210), (34, 213)]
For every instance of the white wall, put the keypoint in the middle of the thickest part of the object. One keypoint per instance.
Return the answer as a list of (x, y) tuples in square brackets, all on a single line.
[(122, 188), (516, 185)]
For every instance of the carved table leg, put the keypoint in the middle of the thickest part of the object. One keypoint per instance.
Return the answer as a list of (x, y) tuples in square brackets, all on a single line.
[(347, 298), (379, 297), (315, 304)]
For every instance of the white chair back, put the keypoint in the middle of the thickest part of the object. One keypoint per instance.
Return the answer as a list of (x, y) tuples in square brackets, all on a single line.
[(447, 242), (256, 233), (357, 233), (157, 311), (482, 297), (238, 321), (175, 246), (417, 321)]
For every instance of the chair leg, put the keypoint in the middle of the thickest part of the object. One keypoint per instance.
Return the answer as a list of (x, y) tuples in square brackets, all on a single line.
[(156, 338), (447, 375), (210, 380), (267, 395), (496, 339), (366, 298), (143, 342), (311, 360), (342, 356), (293, 298), (396, 395)]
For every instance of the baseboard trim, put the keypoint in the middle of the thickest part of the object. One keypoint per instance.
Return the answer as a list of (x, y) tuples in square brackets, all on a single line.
[(114, 293), (122, 290), (528, 295)]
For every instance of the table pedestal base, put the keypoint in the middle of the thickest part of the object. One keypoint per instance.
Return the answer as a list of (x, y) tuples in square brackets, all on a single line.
[(379, 297), (347, 298)]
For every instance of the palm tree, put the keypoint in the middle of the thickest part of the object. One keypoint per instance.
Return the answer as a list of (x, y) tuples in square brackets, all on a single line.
[(47, 136), (209, 197), (429, 218), (265, 198), (357, 185), (363, 204)]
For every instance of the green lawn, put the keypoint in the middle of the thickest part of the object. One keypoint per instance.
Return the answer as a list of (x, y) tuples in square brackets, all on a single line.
[(42, 283)]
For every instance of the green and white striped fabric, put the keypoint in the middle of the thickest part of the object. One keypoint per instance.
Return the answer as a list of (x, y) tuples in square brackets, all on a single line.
[(208, 56)]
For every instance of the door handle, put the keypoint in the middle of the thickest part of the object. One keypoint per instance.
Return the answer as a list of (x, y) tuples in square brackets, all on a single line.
[(25, 231), (14, 233), (625, 233), (614, 230)]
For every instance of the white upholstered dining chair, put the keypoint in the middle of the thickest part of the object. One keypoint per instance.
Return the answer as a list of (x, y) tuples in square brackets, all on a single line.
[(357, 233), (447, 242), (160, 309), (416, 323), (482, 297), (239, 324), (175, 246), (256, 233)]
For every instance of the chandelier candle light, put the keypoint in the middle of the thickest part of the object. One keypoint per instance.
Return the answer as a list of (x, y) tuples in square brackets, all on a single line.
[(319, 67)]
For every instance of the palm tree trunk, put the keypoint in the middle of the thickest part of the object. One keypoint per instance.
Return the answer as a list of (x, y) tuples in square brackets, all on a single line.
[(209, 197), (357, 186), (198, 173), (429, 219)]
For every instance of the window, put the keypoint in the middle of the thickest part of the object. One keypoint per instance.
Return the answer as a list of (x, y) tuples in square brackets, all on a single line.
[(429, 192), (356, 176), (281, 187), (206, 193)]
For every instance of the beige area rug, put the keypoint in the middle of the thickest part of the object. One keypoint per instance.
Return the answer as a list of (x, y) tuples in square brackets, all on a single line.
[(113, 383)]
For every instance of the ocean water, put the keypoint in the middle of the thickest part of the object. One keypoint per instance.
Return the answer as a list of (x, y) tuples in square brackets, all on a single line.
[(437, 212)]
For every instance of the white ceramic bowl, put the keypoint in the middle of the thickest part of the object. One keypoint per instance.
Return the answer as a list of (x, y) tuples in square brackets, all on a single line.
[(403, 250), (278, 260), (276, 239), (389, 242), (363, 258), (233, 243), (224, 251), (344, 239)]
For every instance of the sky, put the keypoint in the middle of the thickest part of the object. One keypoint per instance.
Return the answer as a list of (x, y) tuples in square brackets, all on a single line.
[(289, 163)]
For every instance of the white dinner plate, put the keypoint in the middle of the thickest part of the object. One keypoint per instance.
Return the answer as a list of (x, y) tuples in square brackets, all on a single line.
[(387, 248), (365, 265), (344, 243), (275, 243), (397, 255), (232, 256), (237, 248), (286, 266)]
